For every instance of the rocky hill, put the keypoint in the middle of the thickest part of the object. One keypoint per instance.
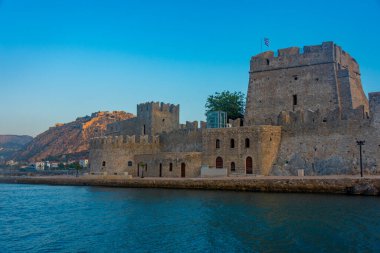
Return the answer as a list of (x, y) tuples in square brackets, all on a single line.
[(10, 144), (70, 140)]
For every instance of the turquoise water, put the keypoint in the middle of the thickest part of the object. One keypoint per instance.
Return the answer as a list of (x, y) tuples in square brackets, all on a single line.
[(38, 218)]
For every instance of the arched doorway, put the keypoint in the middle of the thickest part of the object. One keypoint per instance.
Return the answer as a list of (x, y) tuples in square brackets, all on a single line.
[(219, 162), (183, 169), (248, 165)]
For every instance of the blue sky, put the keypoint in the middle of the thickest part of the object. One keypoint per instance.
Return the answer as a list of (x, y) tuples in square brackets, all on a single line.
[(63, 59)]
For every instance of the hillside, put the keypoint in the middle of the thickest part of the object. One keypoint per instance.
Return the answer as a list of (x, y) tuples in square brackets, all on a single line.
[(70, 140), (10, 144)]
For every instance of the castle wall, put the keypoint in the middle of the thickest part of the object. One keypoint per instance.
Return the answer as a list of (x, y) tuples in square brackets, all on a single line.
[(189, 162), (328, 148), (116, 154), (263, 145), (187, 139), (152, 118), (155, 118), (349, 82), (374, 99), (304, 111), (323, 78), (276, 82)]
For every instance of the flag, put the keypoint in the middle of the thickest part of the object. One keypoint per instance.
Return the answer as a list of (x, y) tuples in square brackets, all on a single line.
[(266, 42)]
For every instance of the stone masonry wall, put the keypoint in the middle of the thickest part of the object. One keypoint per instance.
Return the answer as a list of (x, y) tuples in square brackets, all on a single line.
[(169, 164), (323, 78), (116, 154), (275, 81), (152, 118), (263, 145), (328, 148)]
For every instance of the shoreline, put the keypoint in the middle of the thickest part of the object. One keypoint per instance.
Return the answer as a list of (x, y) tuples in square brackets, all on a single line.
[(351, 185)]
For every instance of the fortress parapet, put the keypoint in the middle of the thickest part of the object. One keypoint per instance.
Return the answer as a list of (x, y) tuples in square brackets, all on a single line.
[(292, 57), (314, 119), (126, 140), (157, 106)]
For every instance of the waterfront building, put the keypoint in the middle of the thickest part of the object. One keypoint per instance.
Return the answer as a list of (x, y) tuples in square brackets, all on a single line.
[(305, 110)]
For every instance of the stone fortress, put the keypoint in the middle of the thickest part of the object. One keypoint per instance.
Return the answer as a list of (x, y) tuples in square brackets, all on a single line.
[(305, 110)]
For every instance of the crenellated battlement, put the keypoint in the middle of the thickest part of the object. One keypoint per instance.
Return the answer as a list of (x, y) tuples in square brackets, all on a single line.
[(157, 106), (304, 118), (127, 140), (293, 57), (192, 125)]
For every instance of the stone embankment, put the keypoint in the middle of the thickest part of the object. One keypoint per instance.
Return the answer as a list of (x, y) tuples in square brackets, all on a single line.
[(330, 184)]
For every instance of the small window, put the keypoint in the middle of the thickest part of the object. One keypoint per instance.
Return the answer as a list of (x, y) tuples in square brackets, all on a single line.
[(247, 143), (217, 143), (232, 143), (232, 166), (295, 78), (130, 163), (104, 163), (268, 62), (295, 100), (171, 167), (144, 130)]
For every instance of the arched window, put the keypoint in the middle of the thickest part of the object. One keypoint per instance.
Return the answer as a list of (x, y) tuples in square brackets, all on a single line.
[(104, 163), (232, 166), (219, 162), (170, 166), (129, 163), (217, 143), (232, 143), (247, 144), (248, 165)]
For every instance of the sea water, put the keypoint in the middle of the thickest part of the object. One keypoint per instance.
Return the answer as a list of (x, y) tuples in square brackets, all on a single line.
[(39, 218)]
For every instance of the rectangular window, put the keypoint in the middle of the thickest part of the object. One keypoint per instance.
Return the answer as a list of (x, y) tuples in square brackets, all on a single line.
[(294, 99)]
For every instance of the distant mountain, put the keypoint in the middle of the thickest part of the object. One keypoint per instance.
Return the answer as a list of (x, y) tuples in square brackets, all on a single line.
[(70, 140), (10, 144), (14, 141)]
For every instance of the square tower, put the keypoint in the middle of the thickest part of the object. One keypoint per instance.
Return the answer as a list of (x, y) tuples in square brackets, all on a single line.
[(322, 77), (154, 118)]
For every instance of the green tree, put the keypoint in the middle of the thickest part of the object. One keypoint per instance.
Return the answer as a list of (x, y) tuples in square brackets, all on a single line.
[(231, 102)]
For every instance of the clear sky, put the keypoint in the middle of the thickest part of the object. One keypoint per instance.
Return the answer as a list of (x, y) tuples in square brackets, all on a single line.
[(61, 59)]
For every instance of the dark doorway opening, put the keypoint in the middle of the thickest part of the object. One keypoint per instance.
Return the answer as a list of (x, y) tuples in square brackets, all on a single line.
[(248, 165), (219, 162), (232, 166), (183, 170)]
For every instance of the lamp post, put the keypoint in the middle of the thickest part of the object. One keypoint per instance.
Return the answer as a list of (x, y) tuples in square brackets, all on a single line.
[(360, 144)]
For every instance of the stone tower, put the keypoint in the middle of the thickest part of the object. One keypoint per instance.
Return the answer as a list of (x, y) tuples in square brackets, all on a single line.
[(154, 118), (322, 77)]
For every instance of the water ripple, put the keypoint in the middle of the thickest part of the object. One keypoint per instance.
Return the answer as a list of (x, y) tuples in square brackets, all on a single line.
[(35, 218)]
